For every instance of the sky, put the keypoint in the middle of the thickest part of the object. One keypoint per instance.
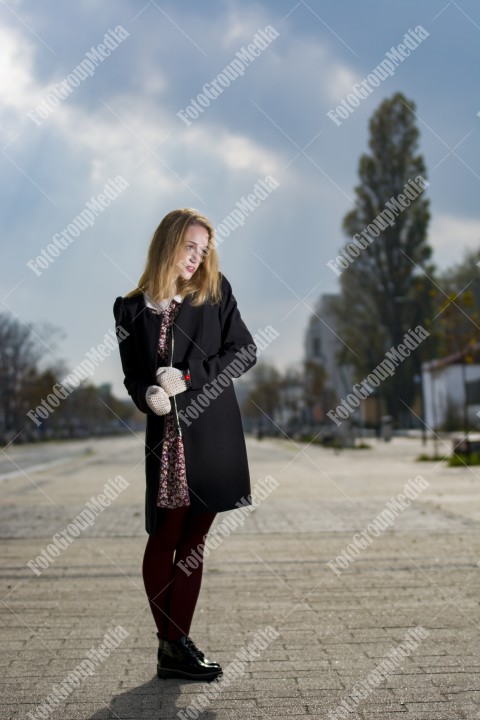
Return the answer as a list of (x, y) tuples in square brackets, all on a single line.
[(64, 140)]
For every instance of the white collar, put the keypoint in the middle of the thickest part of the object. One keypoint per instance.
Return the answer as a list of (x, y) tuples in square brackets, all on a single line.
[(163, 304)]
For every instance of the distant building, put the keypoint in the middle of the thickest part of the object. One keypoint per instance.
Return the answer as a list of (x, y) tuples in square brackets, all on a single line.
[(292, 400), (322, 346), (451, 389)]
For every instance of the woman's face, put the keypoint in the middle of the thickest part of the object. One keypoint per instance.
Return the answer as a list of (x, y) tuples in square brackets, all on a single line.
[(192, 251)]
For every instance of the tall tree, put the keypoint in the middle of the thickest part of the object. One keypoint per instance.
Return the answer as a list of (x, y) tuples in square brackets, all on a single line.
[(385, 285), (21, 351)]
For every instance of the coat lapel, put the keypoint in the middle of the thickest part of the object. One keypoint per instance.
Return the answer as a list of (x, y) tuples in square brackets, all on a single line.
[(150, 329), (151, 322), (188, 318)]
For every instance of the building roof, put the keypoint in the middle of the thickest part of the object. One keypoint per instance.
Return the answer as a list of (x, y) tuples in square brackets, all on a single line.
[(454, 359)]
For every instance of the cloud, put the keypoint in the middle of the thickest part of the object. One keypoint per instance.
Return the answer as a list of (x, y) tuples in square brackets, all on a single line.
[(17, 89), (232, 150), (123, 121)]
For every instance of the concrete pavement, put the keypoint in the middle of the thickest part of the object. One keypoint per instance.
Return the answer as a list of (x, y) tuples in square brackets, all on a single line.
[(343, 640)]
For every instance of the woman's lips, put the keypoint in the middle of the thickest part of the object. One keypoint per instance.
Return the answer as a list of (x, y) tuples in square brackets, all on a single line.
[(190, 268)]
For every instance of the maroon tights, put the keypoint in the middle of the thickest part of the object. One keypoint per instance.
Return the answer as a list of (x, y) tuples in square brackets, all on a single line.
[(173, 592)]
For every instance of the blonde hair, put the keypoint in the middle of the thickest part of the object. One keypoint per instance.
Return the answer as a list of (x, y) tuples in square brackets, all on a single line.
[(160, 278)]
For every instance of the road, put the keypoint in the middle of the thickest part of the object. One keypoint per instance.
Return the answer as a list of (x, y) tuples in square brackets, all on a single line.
[(333, 628)]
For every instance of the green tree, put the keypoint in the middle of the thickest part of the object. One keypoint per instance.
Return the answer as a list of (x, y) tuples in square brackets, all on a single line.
[(457, 299), (264, 396), (385, 289)]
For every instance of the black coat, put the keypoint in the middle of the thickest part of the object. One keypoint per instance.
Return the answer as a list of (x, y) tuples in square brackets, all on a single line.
[(207, 338)]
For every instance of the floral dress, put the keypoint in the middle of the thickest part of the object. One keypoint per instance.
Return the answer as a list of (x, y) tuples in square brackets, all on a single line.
[(173, 488)]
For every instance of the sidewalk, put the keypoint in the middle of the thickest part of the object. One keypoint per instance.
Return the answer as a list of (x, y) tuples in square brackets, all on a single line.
[(331, 630)]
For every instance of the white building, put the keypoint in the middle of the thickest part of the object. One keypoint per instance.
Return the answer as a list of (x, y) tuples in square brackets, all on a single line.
[(451, 387)]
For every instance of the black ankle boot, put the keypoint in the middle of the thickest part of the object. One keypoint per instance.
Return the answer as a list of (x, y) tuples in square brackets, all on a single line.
[(162, 639), (205, 660), (182, 658)]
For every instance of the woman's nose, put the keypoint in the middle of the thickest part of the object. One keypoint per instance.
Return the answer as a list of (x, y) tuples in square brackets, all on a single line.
[(195, 253)]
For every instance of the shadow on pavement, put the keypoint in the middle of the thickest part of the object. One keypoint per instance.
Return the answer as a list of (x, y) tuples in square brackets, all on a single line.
[(156, 698)]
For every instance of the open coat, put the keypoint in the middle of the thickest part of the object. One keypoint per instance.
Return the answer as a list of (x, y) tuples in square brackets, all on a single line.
[(214, 343)]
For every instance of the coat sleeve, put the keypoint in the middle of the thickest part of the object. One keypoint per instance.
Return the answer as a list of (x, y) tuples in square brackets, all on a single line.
[(129, 357), (238, 352)]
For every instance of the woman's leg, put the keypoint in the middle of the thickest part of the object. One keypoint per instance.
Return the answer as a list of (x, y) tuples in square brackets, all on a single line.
[(158, 564), (186, 582)]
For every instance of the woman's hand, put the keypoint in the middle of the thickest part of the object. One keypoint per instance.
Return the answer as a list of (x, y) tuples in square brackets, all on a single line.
[(158, 400), (171, 380)]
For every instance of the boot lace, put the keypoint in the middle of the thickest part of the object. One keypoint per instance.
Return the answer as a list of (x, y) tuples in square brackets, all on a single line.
[(194, 649)]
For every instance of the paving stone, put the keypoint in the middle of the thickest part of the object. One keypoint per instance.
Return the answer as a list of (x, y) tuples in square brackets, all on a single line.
[(334, 630)]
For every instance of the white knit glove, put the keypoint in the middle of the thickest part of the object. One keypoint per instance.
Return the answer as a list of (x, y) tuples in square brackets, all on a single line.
[(158, 400), (171, 380)]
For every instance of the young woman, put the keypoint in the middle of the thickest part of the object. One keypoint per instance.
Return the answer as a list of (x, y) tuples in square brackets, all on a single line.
[(186, 341)]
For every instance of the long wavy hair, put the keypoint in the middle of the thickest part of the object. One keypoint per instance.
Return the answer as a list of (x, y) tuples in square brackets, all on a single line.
[(160, 278)]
